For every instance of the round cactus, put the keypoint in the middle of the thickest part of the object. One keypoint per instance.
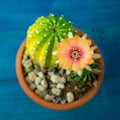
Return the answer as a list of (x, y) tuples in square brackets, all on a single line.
[(42, 37)]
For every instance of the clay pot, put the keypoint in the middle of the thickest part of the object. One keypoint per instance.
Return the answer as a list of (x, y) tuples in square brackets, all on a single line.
[(86, 98)]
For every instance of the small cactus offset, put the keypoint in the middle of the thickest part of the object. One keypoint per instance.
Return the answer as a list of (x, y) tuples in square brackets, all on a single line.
[(42, 37)]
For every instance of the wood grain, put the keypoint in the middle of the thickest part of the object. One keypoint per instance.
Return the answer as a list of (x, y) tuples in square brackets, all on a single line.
[(99, 18)]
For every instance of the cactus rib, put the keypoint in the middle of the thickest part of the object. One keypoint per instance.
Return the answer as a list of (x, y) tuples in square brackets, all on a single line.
[(42, 37)]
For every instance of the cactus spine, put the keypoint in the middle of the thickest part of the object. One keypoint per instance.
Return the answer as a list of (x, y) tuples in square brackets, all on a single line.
[(42, 37)]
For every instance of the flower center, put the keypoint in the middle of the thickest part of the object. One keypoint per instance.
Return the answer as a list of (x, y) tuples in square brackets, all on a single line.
[(75, 54)]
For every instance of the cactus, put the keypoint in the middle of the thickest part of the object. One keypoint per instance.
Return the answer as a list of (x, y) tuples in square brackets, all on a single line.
[(42, 37)]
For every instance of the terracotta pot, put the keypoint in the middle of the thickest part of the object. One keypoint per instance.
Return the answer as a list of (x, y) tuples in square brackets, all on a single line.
[(87, 97)]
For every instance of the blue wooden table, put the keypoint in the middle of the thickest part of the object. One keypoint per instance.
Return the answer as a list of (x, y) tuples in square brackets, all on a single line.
[(99, 18)]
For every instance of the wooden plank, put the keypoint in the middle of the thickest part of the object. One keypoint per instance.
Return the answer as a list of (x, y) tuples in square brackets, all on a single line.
[(15, 104), (99, 18), (10, 42), (84, 14)]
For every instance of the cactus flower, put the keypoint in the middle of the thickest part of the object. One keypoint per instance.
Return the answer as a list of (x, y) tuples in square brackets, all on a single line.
[(75, 53)]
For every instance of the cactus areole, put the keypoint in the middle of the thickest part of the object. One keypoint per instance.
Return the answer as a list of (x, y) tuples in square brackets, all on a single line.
[(42, 37)]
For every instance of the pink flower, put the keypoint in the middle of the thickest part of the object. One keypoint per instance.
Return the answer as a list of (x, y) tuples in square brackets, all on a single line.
[(74, 53)]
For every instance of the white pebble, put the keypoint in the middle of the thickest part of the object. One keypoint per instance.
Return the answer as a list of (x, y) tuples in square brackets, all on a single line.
[(70, 97), (44, 83), (60, 85), (27, 63), (75, 87), (37, 91), (24, 59), (44, 93), (55, 78), (61, 72), (41, 75), (32, 86), (67, 72), (32, 76), (49, 97), (68, 78), (35, 71), (28, 80), (50, 73), (52, 85), (83, 89), (55, 101), (95, 83), (62, 80), (37, 80), (63, 101), (41, 88), (96, 56), (56, 91)]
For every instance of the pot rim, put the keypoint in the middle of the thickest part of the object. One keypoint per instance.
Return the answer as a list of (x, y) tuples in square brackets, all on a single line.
[(84, 99)]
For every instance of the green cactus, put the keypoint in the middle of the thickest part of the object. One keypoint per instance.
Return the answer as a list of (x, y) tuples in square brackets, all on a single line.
[(42, 37), (86, 76)]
